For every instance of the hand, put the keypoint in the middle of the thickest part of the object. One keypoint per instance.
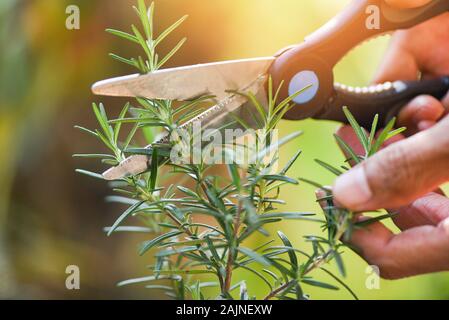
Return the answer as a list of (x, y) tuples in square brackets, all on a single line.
[(407, 174), (400, 174), (421, 247)]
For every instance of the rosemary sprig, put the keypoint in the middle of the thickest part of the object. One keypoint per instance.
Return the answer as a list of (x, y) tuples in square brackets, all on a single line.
[(239, 204), (339, 221)]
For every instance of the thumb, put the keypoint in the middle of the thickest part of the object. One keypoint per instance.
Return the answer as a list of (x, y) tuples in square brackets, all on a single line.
[(398, 174), (407, 3)]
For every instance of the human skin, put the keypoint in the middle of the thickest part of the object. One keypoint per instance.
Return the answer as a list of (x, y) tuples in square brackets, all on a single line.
[(407, 3), (406, 175)]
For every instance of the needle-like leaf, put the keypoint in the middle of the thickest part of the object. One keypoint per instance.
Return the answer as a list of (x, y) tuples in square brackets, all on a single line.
[(198, 220), (125, 215)]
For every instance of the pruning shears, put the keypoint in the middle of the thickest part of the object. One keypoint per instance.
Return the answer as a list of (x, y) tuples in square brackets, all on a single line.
[(307, 65)]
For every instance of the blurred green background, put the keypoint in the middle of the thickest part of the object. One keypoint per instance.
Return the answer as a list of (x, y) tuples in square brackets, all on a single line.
[(51, 217)]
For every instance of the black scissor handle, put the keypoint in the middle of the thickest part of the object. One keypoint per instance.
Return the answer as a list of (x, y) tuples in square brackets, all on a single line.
[(386, 100), (321, 51)]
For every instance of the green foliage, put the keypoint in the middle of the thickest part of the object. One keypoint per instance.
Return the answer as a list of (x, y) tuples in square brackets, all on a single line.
[(339, 221), (239, 204)]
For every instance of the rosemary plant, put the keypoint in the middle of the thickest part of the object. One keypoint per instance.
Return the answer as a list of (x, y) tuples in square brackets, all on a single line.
[(189, 254), (339, 222)]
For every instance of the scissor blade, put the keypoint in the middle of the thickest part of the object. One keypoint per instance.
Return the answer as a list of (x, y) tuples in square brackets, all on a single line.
[(221, 117), (129, 167), (187, 83)]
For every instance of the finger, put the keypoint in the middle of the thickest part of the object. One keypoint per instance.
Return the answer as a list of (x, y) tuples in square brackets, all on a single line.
[(392, 140), (416, 251), (428, 210), (399, 256), (321, 196), (348, 135), (399, 174), (426, 125), (408, 55), (419, 112), (407, 3), (398, 63)]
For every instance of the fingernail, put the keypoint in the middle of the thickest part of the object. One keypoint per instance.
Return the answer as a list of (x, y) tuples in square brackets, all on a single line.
[(320, 194), (352, 189), (421, 102), (445, 225), (424, 125)]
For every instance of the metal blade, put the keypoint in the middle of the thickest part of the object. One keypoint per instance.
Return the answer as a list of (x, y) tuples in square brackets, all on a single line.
[(220, 117), (129, 167), (187, 83)]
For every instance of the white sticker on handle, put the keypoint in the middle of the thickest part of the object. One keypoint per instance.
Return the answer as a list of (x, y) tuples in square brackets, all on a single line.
[(303, 80)]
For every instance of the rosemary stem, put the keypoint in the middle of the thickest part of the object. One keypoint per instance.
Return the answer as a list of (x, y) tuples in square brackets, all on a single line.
[(279, 289), (231, 252)]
